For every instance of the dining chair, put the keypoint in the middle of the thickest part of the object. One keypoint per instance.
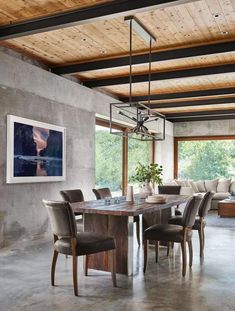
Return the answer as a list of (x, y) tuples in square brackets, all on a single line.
[(102, 193), (72, 196), (173, 233), (68, 241), (200, 221), (171, 189)]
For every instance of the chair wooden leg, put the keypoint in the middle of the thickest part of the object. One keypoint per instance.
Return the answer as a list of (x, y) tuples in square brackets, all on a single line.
[(157, 250), (168, 248), (203, 239), (74, 262), (190, 248), (146, 245), (200, 233), (138, 232), (85, 264), (184, 258), (112, 263), (53, 265)]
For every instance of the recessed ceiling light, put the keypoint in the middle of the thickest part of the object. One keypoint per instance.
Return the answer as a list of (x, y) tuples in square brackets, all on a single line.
[(216, 15), (83, 39), (102, 51), (224, 32)]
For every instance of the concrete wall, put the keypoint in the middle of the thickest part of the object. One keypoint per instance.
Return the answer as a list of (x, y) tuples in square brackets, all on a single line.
[(31, 92), (164, 153), (204, 128)]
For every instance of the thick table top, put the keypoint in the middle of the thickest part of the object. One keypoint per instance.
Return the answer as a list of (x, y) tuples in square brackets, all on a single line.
[(127, 208)]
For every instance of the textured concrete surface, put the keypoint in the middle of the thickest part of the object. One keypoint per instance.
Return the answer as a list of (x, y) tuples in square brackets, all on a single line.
[(209, 286), (32, 92), (204, 128), (21, 212)]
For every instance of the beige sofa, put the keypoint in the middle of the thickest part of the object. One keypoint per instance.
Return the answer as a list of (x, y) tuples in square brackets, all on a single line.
[(222, 188)]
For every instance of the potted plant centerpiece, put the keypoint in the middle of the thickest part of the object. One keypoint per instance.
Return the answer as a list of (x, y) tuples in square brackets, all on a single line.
[(147, 176)]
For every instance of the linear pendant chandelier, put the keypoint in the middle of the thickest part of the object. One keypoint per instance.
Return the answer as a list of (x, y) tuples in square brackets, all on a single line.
[(141, 122)]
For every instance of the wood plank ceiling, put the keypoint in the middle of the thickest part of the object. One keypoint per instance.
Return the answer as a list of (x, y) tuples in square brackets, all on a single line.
[(193, 70)]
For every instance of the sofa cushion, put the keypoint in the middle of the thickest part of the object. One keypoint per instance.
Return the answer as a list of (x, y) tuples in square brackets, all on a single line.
[(211, 185), (180, 183), (193, 186), (223, 185), (232, 187), (220, 195), (201, 185)]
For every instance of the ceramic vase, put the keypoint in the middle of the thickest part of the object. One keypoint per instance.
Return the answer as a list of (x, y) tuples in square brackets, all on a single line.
[(146, 190)]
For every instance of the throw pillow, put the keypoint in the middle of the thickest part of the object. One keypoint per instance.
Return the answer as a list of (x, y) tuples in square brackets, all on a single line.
[(201, 186), (180, 182), (211, 185), (193, 186), (223, 185)]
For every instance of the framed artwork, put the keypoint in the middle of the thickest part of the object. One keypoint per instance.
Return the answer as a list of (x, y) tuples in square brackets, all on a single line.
[(35, 151)]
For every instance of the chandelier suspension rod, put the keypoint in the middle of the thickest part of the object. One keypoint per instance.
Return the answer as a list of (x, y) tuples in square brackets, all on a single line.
[(150, 69), (130, 61)]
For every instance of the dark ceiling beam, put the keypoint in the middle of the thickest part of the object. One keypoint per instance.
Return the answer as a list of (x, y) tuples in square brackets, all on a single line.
[(90, 14), (200, 93), (194, 114), (205, 102), (193, 72), (203, 118), (224, 47)]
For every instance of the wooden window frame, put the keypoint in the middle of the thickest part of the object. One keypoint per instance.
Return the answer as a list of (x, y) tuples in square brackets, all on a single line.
[(193, 138), (105, 123)]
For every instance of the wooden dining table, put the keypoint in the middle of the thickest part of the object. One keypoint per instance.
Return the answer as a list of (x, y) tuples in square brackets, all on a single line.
[(117, 220)]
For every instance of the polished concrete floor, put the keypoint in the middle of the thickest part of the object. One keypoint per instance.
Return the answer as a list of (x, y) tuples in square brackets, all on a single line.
[(210, 285)]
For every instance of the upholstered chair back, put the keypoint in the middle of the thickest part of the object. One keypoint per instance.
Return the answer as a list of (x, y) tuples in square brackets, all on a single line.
[(62, 219), (72, 196), (190, 213), (102, 193), (205, 204)]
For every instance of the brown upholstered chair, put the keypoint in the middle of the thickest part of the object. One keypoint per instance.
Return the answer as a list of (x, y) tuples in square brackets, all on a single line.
[(72, 196), (174, 233), (200, 221), (69, 242), (171, 190), (105, 192), (102, 193)]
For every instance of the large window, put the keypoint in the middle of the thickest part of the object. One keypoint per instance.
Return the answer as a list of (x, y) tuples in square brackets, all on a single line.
[(206, 159), (138, 151), (108, 160)]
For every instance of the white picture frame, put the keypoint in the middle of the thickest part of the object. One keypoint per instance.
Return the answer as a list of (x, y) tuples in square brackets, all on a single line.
[(36, 151)]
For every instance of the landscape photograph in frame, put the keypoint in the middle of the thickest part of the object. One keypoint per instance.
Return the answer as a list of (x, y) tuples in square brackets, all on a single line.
[(35, 151)]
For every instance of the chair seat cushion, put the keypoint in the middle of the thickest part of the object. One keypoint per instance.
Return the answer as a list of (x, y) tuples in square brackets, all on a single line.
[(177, 220), (221, 195), (168, 233), (87, 243)]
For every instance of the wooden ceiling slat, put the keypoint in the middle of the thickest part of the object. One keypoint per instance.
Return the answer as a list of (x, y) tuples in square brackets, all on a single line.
[(183, 54), (85, 15), (200, 113), (21, 10), (191, 103), (182, 95), (163, 76)]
